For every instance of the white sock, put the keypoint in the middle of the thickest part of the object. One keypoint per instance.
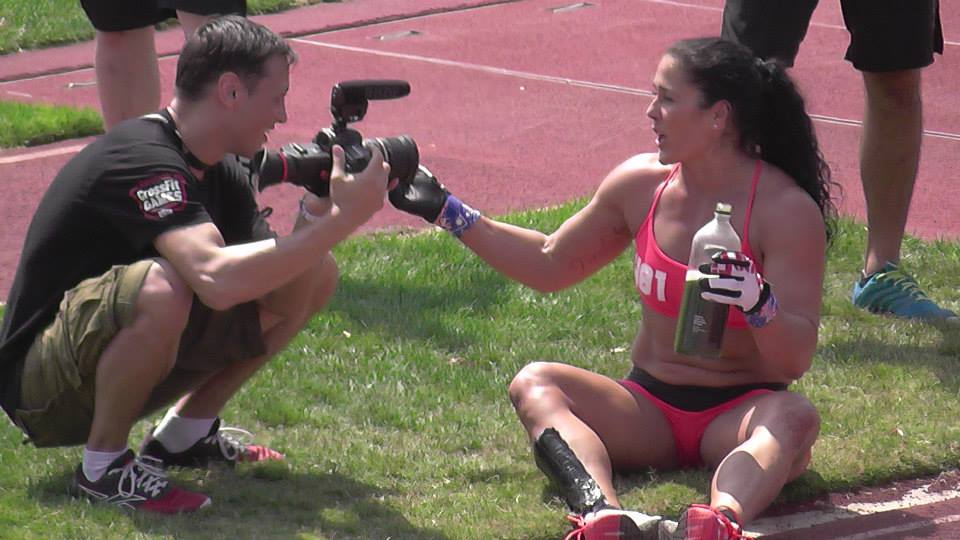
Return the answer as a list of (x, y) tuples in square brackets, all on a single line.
[(177, 433), (95, 463)]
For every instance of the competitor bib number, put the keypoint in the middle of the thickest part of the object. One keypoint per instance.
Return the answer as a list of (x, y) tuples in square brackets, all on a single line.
[(649, 280)]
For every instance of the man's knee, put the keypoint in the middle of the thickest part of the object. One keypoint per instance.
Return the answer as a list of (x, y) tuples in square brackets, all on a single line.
[(189, 22), (326, 274), (164, 300), (893, 90), (123, 41), (303, 297)]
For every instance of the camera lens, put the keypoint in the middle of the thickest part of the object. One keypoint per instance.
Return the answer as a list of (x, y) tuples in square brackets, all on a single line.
[(268, 169), (402, 155)]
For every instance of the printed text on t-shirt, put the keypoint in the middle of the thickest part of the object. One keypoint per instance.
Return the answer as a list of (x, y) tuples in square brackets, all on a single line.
[(160, 195)]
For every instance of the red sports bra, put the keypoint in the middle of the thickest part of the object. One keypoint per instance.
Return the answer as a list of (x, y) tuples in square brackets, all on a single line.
[(658, 278)]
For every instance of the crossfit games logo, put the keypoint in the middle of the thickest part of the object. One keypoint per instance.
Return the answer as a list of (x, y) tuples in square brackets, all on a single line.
[(160, 195)]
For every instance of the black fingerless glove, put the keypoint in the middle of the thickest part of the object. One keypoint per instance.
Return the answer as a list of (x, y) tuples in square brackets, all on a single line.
[(426, 197), (422, 196)]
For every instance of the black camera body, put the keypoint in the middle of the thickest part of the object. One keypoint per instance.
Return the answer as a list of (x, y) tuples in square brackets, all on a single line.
[(309, 164)]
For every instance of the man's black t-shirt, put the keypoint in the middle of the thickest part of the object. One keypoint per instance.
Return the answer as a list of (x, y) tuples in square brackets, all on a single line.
[(106, 207)]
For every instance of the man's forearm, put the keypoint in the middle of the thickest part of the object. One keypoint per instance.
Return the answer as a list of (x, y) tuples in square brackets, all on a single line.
[(244, 272)]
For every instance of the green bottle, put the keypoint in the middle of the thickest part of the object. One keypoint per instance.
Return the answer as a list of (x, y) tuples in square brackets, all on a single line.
[(701, 323)]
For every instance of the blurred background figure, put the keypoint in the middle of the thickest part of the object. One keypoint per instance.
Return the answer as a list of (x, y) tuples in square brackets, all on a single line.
[(128, 78), (890, 43)]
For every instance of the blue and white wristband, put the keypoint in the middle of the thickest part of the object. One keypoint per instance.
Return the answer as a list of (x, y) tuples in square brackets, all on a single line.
[(762, 315), (456, 216)]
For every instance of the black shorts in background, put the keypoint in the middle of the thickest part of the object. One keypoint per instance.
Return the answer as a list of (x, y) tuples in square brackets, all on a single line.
[(119, 15), (885, 35)]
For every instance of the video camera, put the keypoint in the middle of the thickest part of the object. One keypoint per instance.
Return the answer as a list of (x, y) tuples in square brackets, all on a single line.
[(309, 164)]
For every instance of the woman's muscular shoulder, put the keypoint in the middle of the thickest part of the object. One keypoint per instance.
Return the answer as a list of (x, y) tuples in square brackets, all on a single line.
[(779, 198), (637, 175), (631, 184), (641, 168)]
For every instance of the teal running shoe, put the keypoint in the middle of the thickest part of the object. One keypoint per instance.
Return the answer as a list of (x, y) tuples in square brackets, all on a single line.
[(891, 291)]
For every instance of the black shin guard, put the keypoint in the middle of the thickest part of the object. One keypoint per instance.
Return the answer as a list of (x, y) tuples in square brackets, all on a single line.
[(555, 458)]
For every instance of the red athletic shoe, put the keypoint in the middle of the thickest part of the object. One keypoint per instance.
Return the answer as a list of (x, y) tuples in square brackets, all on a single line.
[(701, 522), (221, 445), (614, 524), (133, 483)]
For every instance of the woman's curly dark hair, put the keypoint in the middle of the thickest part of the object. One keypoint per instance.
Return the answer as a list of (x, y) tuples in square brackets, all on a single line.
[(767, 110)]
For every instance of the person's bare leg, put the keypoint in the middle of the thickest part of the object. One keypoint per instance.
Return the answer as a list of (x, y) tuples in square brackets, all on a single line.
[(771, 438), (127, 79), (139, 357), (189, 22), (597, 417), (283, 315), (889, 158)]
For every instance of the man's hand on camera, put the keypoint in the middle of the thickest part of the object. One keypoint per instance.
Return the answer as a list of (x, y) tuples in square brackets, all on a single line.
[(426, 197), (358, 195), (313, 207)]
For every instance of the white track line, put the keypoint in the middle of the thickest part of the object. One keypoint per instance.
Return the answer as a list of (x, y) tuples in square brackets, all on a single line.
[(565, 81), (876, 533), (72, 72), (920, 496), (29, 156), (484, 69), (915, 497)]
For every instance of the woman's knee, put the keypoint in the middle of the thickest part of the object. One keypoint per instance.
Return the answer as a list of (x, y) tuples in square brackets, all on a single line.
[(531, 382), (800, 465), (792, 416)]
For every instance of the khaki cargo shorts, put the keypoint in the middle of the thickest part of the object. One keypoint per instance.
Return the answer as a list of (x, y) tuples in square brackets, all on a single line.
[(57, 387)]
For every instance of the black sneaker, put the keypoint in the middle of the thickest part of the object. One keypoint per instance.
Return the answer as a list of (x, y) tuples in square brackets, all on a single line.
[(221, 445), (131, 482)]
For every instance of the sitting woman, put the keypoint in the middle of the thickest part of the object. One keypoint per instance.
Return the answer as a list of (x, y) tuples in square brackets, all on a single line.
[(728, 128)]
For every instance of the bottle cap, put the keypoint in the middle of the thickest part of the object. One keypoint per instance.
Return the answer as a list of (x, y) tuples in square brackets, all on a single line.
[(723, 208)]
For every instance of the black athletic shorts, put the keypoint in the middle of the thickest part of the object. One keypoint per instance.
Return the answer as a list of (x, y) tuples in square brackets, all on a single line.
[(885, 35), (118, 15)]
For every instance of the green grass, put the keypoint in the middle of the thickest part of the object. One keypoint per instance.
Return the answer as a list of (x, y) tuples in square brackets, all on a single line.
[(40, 23), (392, 408), (24, 124), (31, 24)]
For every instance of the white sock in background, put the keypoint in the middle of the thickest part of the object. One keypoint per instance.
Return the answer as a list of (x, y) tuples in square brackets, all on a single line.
[(95, 463), (177, 433)]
